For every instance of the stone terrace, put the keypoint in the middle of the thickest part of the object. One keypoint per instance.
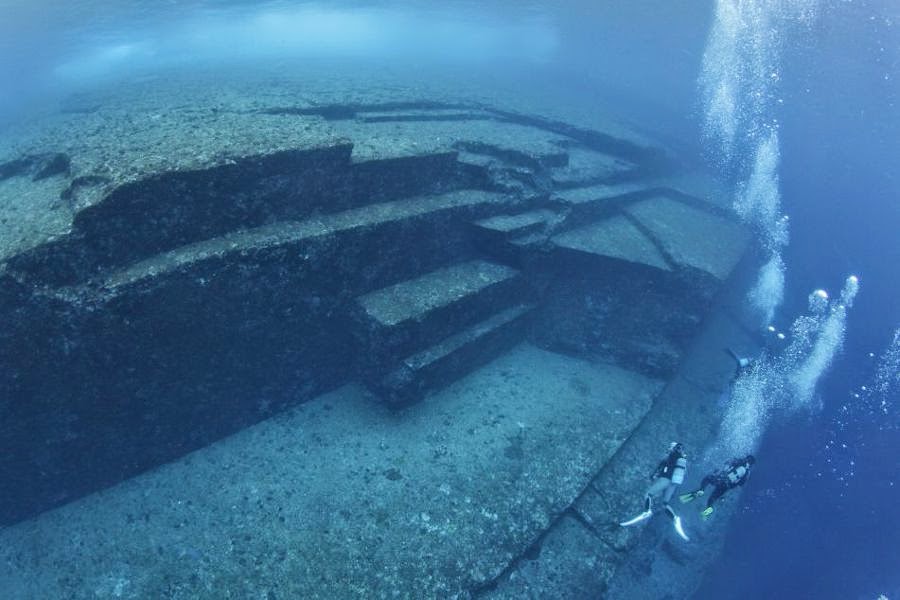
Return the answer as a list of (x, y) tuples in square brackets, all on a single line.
[(254, 256)]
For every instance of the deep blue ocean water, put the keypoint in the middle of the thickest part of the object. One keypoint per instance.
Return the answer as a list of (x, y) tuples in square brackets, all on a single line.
[(820, 520), (819, 517)]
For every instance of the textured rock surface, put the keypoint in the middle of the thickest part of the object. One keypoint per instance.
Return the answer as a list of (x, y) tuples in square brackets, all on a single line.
[(692, 237), (615, 238), (342, 498), (412, 300)]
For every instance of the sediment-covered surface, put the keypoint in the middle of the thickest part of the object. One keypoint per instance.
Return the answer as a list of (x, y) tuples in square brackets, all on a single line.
[(342, 497)]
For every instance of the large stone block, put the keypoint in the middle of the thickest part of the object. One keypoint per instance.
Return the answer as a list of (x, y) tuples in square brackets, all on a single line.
[(691, 237), (615, 238), (415, 313)]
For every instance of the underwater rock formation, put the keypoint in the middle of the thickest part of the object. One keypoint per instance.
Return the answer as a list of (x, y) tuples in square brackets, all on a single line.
[(161, 290)]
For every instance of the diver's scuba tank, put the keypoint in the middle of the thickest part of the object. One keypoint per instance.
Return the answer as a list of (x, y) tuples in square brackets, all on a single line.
[(679, 470), (676, 464), (736, 475)]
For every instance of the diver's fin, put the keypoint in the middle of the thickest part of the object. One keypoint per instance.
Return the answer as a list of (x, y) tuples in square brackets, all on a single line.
[(706, 512), (641, 517), (685, 498), (676, 521), (679, 529)]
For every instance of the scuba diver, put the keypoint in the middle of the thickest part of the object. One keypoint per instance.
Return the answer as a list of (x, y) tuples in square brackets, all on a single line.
[(742, 363), (669, 474), (735, 474)]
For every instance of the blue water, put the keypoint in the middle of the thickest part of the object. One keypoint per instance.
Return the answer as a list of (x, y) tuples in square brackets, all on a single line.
[(819, 516), (820, 519)]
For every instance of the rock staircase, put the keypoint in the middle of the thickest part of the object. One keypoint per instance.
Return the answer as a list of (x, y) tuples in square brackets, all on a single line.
[(423, 333), (399, 245)]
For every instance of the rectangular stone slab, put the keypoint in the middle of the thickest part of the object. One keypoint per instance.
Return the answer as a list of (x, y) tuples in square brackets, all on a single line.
[(289, 232), (343, 498), (617, 238), (520, 223), (589, 166), (495, 138), (600, 192), (700, 186), (411, 300), (452, 344), (454, 356), (693, 237)]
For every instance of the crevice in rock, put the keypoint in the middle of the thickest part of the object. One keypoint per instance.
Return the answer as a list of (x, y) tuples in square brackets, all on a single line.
[(401, 118), (340, 112), (589, 525), (670, 261)]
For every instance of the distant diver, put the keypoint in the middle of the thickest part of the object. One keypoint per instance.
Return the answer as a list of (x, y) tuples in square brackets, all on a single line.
[(735, 474), (669, 474), (742, 363)]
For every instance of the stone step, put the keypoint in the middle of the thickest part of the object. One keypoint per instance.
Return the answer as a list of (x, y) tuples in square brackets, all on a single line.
[(700, 189), (497, 174), (141, 218), (601, 192), (516, 251), (615, 238), (403, 173), (539, 154), (402, 317), (149, 217), (328, 253), (586, 204), (494, 235), (691, 237), (510, 226), (509, 143), (588, 167), (451, 358), (256, 315)]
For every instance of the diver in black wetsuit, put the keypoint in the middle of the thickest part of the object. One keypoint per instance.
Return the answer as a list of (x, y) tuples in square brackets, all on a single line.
[(735, 474), (668, 476), (665, 480)]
